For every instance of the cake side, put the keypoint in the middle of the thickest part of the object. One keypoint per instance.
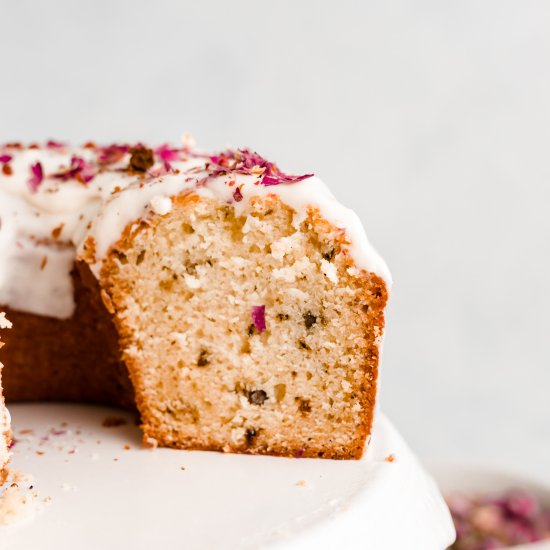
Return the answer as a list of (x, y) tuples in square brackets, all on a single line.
[(246, 332), (76, 359)]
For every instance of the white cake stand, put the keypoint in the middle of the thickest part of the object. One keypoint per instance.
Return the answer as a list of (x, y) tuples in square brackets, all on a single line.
[(98, 488)]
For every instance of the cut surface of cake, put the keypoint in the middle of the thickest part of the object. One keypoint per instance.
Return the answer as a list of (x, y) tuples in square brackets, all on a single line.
[(5, 421), (240, 308)]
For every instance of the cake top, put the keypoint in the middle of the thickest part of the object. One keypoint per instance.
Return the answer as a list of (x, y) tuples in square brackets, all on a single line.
[(54, 196), (51, 164)]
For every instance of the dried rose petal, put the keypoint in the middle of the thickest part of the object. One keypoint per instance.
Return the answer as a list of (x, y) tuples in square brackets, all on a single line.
[(166, 153), (521, 504), (270, 180), (79, 169), (112, 154), (519, 532), (37, 176), (161, 170), (491, 544), (244, 161), (51, 144), (4, 159), (258, 318), (487, 522), (460, 505), (237, 195)]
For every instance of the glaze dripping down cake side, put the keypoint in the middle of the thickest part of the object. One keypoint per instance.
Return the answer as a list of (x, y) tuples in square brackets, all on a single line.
[(246, 305)]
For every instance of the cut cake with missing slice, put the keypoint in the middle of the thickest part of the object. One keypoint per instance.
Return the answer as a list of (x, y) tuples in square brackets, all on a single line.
[(245, 304)]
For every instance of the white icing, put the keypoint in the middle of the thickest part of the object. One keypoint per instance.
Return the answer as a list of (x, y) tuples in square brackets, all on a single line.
[(42, 232), (161, 205)]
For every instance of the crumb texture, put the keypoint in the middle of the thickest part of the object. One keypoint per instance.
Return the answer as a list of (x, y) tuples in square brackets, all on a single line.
[(5, 424), (244, 331), (16, 502)]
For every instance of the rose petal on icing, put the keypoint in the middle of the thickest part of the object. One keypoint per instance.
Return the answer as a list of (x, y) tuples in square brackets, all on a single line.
[(79, 170), (4, 159), (246, 162), (167, 153), (270, 180), (37, 176), (51, 144), (112, 153)]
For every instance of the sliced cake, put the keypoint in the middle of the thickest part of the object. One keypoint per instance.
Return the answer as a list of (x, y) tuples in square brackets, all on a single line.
[(246, 304)]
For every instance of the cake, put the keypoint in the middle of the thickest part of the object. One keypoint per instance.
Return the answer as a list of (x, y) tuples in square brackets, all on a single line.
[(238, 308), (4, 415)]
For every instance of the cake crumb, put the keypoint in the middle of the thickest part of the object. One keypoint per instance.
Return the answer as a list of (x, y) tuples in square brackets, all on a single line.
[(390, 458), (16, 501), (15, 504), (150, 442), (20, 477), (113, 422), (4, 323), (329, 271)]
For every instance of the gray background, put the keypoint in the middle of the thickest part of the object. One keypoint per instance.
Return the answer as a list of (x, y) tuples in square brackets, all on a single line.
[(431, 119)]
